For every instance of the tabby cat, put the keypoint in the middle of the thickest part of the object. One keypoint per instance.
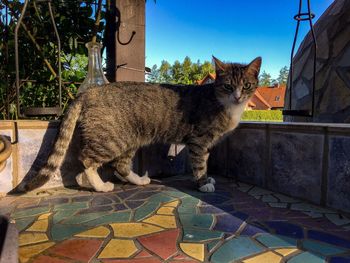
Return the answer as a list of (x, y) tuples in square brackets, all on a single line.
[(117, 119)]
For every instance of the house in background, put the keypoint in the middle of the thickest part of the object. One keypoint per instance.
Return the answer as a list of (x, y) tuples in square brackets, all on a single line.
[(264, 98)]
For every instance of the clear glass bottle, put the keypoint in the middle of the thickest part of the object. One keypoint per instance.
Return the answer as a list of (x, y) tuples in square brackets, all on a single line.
[(95, 75)]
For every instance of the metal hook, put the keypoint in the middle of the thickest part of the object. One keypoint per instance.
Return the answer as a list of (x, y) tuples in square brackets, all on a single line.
[(127, 42)]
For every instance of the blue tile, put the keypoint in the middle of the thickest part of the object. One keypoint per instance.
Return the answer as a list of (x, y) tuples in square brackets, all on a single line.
[(286, 229), (227, 223), (340, 259), (251, 230), (240, 215), (274, 241), (328, 238), (322, 248), (235, 249), (307, 257)]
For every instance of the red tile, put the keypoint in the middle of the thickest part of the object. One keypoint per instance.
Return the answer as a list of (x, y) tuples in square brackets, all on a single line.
[(183, 261), (143, 254), (78, 249), (47, 259), (181, 256), (134, 260), (163, 244)]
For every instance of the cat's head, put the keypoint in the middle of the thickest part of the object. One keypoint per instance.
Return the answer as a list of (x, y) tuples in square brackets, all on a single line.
[(236, 83)]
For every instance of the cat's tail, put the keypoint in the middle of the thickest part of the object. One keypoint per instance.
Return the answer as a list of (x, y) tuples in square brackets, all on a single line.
[(57, 154)]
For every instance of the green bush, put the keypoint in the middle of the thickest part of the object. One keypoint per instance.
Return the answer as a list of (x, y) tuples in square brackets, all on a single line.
[(262, 115)]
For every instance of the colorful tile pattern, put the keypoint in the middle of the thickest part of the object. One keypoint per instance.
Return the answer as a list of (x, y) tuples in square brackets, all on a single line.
[(171, 222)]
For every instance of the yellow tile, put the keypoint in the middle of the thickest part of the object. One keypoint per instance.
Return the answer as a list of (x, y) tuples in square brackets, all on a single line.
[(31, 238), (286, 251), (172, 204), (118, 248), (27, 252), (166, 210), (98, 232), (267, 257), (44, 216), (194, 250), (40, 226), (163, 221), (133, 229)]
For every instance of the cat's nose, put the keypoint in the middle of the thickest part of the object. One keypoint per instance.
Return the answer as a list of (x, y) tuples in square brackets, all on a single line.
[(237, 98)]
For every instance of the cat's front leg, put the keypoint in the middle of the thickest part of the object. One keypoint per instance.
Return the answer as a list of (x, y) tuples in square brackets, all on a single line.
[(199, 156)]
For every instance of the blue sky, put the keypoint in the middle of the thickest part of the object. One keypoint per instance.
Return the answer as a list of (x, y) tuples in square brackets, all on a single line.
[(232, 30)]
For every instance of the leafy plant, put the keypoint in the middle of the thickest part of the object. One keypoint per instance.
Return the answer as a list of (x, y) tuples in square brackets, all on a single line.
[(38, 57)]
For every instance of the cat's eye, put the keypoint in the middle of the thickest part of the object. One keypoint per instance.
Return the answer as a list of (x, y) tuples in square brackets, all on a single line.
[(247, 86), (228, 87)]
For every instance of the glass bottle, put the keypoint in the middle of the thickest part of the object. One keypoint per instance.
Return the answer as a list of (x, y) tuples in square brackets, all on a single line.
[(95, 75)]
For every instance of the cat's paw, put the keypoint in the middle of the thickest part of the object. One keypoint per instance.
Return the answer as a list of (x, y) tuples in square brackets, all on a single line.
[(106, 187), (82, 180), (211, 180), (145, 180), (207, 188)]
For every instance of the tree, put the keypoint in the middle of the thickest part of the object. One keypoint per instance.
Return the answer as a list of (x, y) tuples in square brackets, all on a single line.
[(164, 72), (283, 76), (265, 79), (186, 72)]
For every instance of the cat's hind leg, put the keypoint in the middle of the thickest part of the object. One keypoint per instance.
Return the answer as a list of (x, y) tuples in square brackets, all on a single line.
[(124, 172)]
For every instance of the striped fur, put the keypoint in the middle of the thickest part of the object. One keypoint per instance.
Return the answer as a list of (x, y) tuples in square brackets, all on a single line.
[(117, 119)]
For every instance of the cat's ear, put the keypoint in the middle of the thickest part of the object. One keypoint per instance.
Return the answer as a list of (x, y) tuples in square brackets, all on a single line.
[(253, 68), (219, 65)]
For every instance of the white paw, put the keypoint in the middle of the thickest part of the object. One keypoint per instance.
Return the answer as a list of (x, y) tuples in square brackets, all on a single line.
[(106, 187), (82, 180), (207, 188), (211, 180), (145, 180)]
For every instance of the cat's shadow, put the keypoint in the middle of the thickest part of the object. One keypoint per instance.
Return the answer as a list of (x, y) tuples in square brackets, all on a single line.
[(154, 160)]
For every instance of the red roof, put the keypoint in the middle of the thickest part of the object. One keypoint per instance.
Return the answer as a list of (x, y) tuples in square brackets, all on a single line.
[(273, 95), (260, 102), (209, 76)]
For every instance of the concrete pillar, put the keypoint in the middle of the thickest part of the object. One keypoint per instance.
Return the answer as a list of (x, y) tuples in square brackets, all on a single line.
[(130, 55)]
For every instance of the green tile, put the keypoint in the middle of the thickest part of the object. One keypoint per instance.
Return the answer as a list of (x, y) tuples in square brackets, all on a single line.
[(307, 257), (160, 198), (275, 241), (60, 232), (78, 219), (201, 221), (23, 223), (235, 249), (213, 244), (30, 212), (199, 235), (112, 218), (76, 206), (63, 214), (177, 194), (322, 248), (188, 205), (145, 210)]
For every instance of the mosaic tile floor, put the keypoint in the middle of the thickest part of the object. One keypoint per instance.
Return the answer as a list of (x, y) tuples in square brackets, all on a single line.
[(171, 222)]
